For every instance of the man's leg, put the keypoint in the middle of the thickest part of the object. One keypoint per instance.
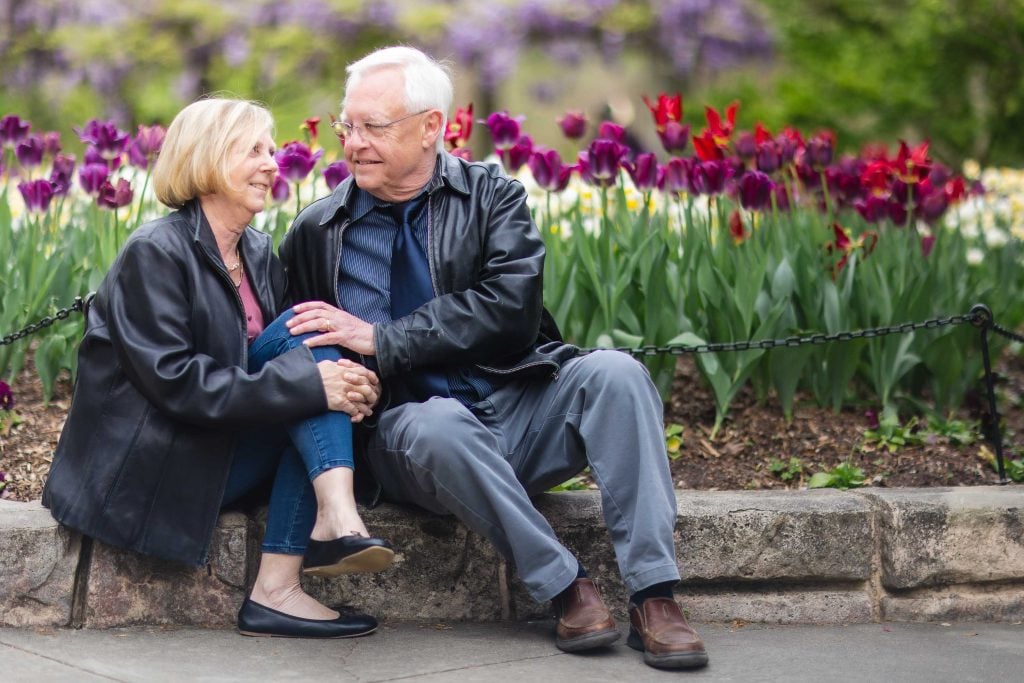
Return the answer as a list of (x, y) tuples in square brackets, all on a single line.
[(439, 456), (604, 410)]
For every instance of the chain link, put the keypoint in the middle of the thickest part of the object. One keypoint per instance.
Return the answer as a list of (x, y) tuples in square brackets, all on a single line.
[(78, 305), (974, 318), (1007, 333)]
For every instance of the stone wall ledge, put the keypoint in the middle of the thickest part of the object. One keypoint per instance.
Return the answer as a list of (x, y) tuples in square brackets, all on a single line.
[(759, 556)]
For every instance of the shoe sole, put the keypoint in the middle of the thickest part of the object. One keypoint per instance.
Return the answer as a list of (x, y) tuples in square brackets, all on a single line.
[(254, 634), (677, 660), (588, 642), (368, 560)]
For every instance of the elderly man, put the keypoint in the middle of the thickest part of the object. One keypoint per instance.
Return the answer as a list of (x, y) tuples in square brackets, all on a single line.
[(429, 268)]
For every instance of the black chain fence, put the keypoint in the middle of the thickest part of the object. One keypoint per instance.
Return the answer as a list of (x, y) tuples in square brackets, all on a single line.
[(979, 316)]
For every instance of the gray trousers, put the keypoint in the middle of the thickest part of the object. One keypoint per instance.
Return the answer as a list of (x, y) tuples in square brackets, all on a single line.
[(483, 463)]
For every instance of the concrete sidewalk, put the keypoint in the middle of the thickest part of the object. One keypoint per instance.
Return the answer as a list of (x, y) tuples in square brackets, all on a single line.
[(495, 652)]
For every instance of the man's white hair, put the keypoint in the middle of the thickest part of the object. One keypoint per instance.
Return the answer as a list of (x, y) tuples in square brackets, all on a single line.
[(428, 83)]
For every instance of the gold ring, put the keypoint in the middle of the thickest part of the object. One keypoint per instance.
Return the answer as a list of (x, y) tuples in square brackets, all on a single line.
[(328, 325)]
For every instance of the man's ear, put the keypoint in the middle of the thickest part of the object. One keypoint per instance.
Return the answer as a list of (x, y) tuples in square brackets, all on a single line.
[(432, 128)]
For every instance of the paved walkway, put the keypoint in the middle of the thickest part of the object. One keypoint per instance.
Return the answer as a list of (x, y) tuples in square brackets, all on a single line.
[(514, 652)]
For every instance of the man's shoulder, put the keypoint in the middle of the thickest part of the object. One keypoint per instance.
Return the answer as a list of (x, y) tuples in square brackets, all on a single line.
[(314, 214), (469, 176)]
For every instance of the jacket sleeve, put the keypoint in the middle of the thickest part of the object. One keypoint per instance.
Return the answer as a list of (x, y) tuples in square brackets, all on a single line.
[(497, 316), (148, 315)]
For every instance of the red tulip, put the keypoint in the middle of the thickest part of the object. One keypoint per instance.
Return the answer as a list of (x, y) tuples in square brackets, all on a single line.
[(459, 128), (721, 132)]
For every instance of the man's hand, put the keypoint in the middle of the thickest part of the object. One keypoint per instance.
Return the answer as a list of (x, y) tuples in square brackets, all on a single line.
[(338, 328)]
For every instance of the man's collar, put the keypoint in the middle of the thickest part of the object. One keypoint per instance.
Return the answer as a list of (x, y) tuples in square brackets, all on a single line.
[(448, 171)]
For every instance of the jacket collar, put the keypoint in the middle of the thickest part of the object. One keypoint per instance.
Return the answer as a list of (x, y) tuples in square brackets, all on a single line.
[(450, 173)]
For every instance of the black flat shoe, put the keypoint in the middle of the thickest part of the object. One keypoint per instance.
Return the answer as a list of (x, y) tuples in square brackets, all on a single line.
[(347, 555), (257, 620)]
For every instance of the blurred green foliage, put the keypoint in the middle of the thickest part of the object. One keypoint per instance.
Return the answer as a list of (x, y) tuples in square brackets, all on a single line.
[(951, 71)]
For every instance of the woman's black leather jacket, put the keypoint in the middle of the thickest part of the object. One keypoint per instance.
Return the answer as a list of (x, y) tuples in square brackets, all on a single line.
[(162, 390)]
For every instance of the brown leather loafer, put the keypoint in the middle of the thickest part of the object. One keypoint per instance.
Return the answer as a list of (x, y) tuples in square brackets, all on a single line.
[(659, 629), (584, 623)]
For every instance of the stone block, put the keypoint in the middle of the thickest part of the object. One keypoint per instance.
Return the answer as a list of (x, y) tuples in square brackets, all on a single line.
[(777, 605), (793, 536), (128, 589), (754, 536), (441, 571), (964, 535), (956, 603), (38, 560)]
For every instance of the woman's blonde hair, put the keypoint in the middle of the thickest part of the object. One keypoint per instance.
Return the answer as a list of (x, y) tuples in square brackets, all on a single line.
[(194, 157)]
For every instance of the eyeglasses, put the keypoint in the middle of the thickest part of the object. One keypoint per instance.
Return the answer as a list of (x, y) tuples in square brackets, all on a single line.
[(368, 131)]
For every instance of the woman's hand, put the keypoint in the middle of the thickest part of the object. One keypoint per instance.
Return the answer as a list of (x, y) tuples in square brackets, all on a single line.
[(337, 327), (350, 387)]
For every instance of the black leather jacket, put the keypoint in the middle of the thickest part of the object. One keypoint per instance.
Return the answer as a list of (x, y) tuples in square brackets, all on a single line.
[(162, 390), (486, 263)]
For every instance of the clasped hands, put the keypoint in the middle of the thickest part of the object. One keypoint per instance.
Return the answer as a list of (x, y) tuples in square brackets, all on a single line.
[(350, 387)]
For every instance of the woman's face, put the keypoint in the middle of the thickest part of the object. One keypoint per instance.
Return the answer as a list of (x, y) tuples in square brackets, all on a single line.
[(251, 172)]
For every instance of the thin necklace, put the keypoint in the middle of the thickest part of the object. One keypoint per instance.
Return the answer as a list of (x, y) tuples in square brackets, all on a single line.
[(237, 266)]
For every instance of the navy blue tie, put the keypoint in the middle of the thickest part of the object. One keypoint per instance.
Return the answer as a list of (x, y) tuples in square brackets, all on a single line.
[(411, 288)]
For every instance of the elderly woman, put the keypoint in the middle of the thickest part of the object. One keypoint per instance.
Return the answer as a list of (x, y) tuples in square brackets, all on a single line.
[(185, 401)]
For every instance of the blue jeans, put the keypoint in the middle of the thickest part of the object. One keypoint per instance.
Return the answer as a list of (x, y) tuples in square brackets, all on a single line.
[(293, 454)]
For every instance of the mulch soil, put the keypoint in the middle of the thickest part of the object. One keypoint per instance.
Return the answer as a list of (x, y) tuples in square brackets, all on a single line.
[(739, 456)]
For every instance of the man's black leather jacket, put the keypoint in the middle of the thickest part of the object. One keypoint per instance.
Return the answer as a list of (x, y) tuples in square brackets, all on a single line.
[(486, 264), (162, 390)]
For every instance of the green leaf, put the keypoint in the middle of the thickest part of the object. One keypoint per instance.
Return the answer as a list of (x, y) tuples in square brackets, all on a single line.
[(820, 480)]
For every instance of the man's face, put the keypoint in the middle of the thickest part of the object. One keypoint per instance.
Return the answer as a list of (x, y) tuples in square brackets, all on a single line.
[(389, 150)]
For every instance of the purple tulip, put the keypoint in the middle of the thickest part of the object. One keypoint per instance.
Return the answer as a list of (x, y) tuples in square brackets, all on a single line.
[(755, 190), (51, 143), (611, 131), (745, 145), (37, 194), (146, 146), (109, 140), (548, 170), (61, 173), (13, 130), (111, 197), (768, 157), (505, 130), (91, 177), (874, 209), (820, 148), (6, 397), (518, 154), (335, 173), (573, 124), (30, 151), (643, 170), (599, 164), (279, 190), (93, 156), (674, 176), (708, 177), (782, 201), (295, 160), (675, 137)]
